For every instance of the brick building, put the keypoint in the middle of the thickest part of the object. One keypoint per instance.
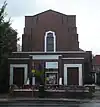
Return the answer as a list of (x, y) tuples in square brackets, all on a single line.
[(96, 68), (50, 39)]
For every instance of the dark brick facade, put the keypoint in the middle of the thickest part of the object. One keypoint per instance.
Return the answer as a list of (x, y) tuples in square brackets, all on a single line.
[(63, 25), (86, 61)]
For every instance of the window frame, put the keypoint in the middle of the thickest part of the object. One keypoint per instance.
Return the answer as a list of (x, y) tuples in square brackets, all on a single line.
[(45, 44)]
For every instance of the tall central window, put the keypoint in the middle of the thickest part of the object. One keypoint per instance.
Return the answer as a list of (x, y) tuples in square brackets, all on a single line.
[(50, 43)]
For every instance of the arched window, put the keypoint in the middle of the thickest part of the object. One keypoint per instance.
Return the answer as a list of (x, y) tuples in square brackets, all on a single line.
[(50, 41)]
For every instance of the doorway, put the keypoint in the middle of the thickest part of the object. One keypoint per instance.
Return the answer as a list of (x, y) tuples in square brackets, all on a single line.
[(18, 76), (72, 76)]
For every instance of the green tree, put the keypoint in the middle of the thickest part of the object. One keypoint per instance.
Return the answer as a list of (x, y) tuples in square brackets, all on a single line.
[(8, 40)]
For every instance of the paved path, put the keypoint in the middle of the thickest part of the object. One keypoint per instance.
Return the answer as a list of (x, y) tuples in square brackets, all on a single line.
[(47, 100)]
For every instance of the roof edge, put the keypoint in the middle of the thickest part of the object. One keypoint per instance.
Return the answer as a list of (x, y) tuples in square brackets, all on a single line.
[(47, 11)]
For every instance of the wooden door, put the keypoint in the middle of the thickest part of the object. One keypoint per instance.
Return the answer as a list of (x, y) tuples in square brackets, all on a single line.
[(72, 76), (18, 76)]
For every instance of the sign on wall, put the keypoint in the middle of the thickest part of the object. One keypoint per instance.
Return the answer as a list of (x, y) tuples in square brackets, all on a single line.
[(52, 65)]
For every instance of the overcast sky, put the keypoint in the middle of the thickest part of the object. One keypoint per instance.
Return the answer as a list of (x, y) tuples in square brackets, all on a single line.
[(86, 11)]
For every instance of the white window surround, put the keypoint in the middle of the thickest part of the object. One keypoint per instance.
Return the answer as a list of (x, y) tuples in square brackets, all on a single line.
[(80, 72), (45, 39), (51, 72), (25, 66)]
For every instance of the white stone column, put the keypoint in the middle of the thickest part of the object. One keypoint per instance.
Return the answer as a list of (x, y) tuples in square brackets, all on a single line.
[(60, 81), (11, 75), (95, 78), (33, 80)]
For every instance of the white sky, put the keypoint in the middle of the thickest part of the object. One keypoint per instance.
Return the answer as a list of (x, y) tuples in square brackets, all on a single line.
[(86, 11)]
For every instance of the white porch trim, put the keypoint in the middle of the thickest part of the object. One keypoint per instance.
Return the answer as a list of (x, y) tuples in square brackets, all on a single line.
[(25, 66), (19, 58), (52, 52), (80, 72), (72, 58), (45, 57)]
